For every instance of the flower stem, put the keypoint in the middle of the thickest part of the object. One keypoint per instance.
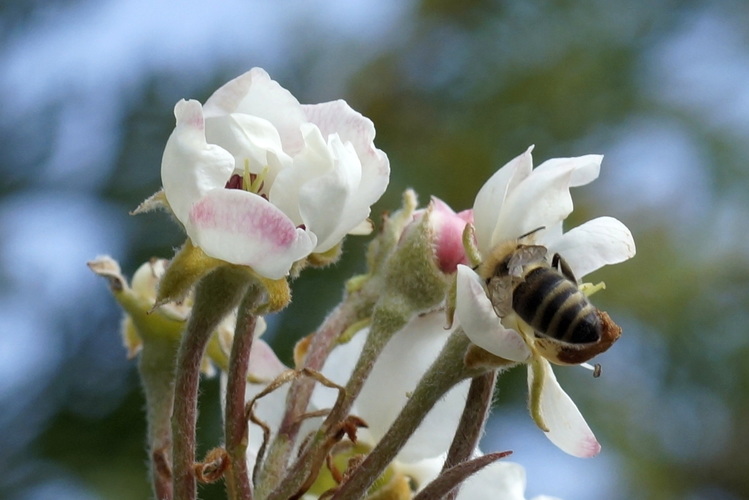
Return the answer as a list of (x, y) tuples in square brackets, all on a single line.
[(386, 322), (156, 370), (472, 422), (446, 371), (215, 295), (237, 478), (356, 305)]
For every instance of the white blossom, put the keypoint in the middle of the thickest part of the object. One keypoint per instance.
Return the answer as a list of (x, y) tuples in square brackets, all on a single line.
[(518, 200), (258, 179)]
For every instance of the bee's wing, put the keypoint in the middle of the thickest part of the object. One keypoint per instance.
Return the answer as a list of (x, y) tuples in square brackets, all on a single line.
[(524, 255), (500, 294)]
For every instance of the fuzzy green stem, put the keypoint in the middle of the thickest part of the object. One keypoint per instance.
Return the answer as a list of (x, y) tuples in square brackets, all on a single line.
[(446, 371), (237, 478), (472, 421), (156, 369), (215, 296)]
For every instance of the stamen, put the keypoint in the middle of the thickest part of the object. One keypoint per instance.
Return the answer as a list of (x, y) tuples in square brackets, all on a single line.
[(254, 183), (258, 181), (247, 175), (589, 289)]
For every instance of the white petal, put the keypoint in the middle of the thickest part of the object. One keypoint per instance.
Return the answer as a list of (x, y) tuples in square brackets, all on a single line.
[(324, 189), (540, 200), (597, 243), (491, 197), (315, 160), (567, 427), (254, 93), (269, 409), (337, 117), (394, 377), (479, 321), (423, 471), (338, 367), (585, 169), (331, 204), (190, 166), (243, 228), (250, 139), (499, 480), (364, 228), (264, 364)]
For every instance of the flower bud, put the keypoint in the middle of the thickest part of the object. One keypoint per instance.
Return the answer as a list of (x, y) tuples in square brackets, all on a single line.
[(447, 233)]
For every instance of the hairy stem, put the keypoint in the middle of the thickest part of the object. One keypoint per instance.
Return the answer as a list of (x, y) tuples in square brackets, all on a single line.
[(447, 370), (323, 341), (237, 478), (385, 323), (472, 422), (215, 296), (156, 369)]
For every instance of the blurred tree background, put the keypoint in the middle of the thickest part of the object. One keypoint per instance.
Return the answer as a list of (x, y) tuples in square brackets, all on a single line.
[(455, 90)]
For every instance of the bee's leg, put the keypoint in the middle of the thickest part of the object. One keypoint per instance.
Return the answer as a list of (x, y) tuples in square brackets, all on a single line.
[(557, 262)]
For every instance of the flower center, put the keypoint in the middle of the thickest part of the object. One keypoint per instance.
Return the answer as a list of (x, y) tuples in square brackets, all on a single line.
[(248, 181)]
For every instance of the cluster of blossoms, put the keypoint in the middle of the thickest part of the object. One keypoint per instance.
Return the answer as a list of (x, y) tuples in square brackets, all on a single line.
[(384, 400)]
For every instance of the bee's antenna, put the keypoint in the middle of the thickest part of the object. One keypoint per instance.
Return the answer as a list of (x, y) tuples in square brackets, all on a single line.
[(531, 232)]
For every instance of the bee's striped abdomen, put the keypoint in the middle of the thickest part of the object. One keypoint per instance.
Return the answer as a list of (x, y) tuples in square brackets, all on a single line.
[(554, 306)]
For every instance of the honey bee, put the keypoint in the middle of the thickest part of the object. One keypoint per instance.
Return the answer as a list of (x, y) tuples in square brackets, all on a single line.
[(568, 328)]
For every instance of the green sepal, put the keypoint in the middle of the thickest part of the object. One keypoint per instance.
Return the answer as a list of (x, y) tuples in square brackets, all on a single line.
[(188, 266)]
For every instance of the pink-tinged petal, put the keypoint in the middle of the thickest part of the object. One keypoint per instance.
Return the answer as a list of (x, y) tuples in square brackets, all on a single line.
[(585, 169), (479, 321), (540, 200), (567, 427), (500, 480), (190, 167), (337, 117), (254, 93), (448, 230), (491, 198), (466, 215), (243, 228), (597, 243)]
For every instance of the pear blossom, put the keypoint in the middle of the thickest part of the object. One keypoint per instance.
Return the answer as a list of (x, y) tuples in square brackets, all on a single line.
[(518, 200), (258, 179)]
